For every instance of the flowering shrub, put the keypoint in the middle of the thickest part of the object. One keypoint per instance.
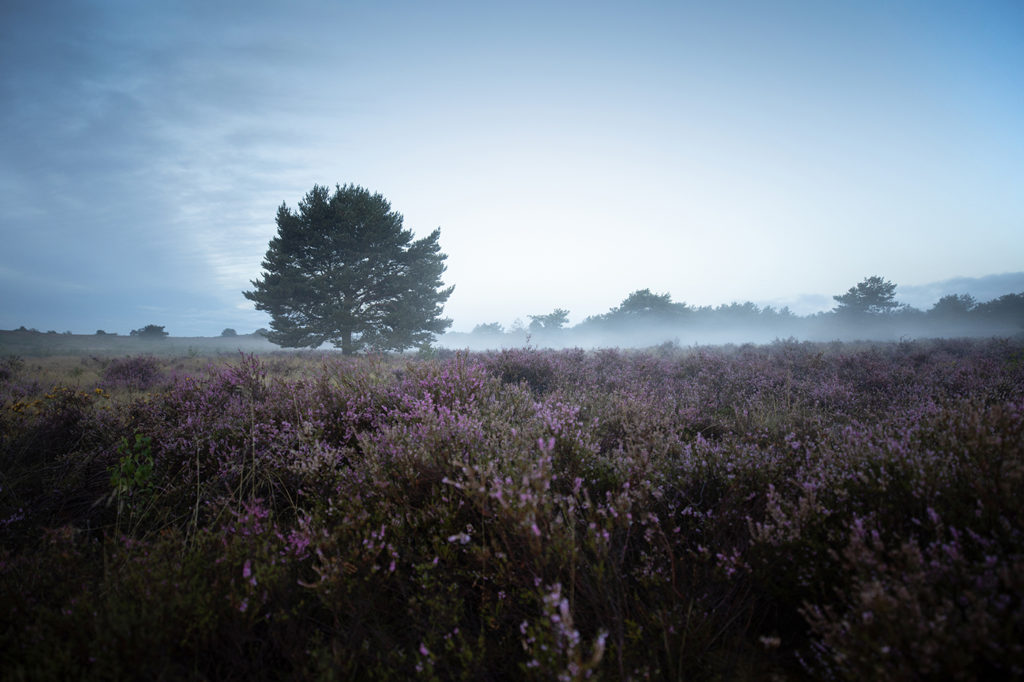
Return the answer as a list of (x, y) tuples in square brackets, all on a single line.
[(138, 373), (791, 511)]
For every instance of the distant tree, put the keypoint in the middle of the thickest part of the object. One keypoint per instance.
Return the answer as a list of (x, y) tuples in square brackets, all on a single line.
[(738, 311), (1007, 309), (100, 332), (953, 305), (647, 306), (643, 302), (553, 321), (229, 332), (489, 328), (262, 331), (773, 312), (343, 270), (908, 313), (873, 295), (150, 331)]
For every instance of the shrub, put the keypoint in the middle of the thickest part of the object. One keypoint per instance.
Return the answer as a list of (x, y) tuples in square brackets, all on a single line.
[(138, 373), (10, 366), (150, 331), (787, 511)]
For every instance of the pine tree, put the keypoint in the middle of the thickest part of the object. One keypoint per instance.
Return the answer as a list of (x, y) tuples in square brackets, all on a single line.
[(872, 295), (343, 270)]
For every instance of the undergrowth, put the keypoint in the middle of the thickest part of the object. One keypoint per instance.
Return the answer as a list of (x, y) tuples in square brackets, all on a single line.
[(791, 511)]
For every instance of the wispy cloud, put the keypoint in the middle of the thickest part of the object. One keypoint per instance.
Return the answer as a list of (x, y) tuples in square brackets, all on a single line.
[(571, 154)]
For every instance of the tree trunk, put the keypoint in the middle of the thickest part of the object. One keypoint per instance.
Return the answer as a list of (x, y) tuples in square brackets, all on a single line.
[(346, 342)]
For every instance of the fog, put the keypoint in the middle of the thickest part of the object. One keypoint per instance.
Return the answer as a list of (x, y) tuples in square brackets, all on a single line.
[(1002, 317), (869, 311), (683, 337), (827, 327)]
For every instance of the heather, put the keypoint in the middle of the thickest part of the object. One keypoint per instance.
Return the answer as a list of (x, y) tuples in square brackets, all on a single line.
[(786, 511)]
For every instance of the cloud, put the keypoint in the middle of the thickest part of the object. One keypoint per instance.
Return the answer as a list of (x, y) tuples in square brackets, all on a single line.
[(165, 145), (983, 289), (570, 157), (41, 282)]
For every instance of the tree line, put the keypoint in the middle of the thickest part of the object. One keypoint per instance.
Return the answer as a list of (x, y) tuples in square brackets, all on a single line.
[(870, 307), (343, 270)]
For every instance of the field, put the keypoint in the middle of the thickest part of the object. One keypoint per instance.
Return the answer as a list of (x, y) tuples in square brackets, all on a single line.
[(26, 343), (786, 511)]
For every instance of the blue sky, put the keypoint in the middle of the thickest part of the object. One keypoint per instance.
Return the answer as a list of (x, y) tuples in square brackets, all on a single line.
[(570, 152)]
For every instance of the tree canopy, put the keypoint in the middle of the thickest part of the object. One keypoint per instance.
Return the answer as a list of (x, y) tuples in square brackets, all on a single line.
[(642, 303), (872, 295), (150, 331), (489, 328), (953, 305), (342, 269), (647, 306), (553, 321)]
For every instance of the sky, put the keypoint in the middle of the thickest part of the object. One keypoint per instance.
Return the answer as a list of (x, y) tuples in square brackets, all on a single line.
[(570, 152)]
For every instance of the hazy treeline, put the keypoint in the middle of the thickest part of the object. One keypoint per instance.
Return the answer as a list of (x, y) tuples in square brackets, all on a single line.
[(30, 342), (867, 312)]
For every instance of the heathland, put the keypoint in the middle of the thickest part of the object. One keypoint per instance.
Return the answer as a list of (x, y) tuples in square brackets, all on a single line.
[(783, 511)]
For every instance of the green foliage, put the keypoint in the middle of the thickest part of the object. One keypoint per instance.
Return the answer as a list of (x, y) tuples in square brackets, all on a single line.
[(132, 480), (553, 321), (1008, 309), (643, 302), (872, 295), (644, 307), (133, 472), (150, 331), (343, 270), (953, 306)]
